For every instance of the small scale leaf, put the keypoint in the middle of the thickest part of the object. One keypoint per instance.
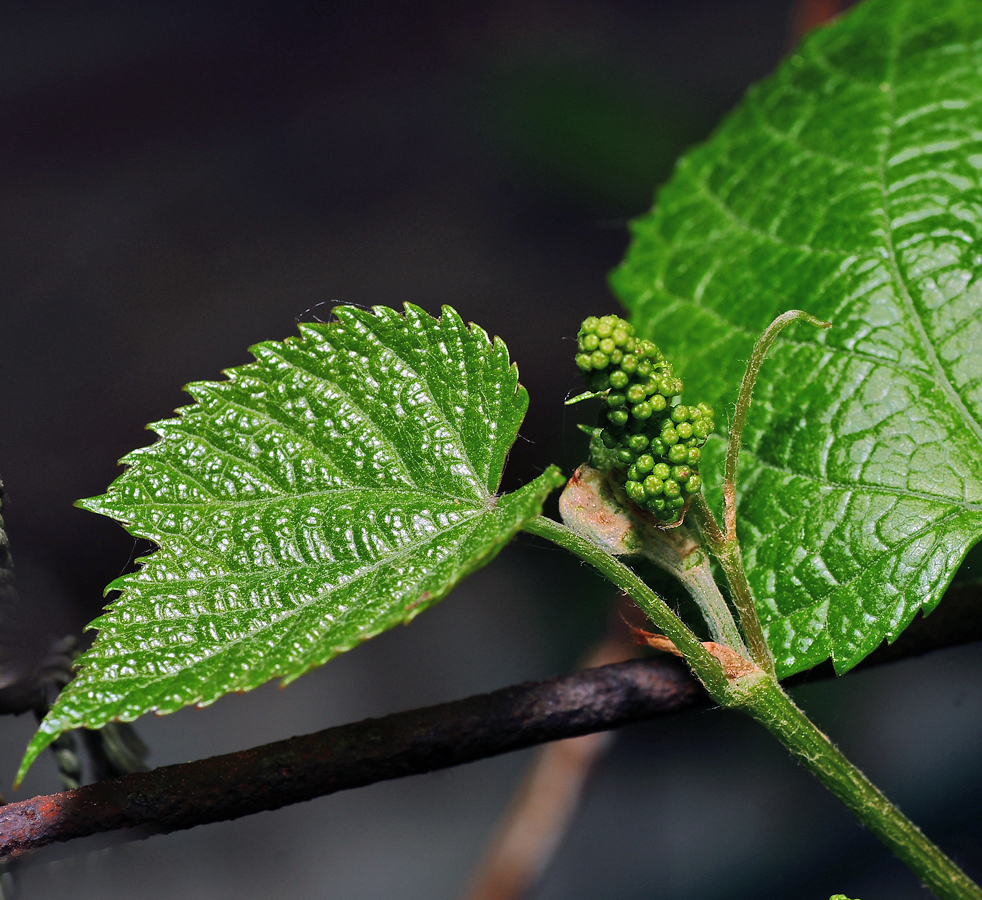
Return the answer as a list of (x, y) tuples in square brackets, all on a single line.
[(336, 487), (849, 185)]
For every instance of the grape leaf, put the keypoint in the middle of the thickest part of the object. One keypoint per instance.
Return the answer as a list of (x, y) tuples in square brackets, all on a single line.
[(848, 184), (334, 488)]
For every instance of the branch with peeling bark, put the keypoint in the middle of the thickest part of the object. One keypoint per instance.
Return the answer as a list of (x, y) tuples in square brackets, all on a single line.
[(176, 797)]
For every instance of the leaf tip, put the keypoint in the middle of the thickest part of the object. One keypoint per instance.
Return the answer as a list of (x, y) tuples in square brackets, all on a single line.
[(39, 743), (100, 505)]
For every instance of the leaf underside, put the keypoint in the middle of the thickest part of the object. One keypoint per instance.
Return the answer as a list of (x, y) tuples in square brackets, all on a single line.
[(336, 487), (849, 184)]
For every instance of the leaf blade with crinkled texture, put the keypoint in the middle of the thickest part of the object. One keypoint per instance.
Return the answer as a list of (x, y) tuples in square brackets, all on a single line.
[(848, 185), (334, 488)]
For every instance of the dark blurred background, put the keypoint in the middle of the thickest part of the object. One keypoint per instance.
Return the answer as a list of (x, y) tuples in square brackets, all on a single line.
[(181, 180)]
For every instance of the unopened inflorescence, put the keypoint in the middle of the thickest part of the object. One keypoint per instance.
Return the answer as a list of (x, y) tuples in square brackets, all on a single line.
[(644, 433)]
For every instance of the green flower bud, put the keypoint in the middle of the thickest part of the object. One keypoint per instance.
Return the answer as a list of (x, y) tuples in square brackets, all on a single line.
[(654, 486), (657, 505), (655, 442), (701, 429), (678, 454)]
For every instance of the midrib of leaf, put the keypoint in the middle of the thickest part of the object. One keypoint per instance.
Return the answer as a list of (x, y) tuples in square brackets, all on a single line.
[(275, 554), (267, 499), (241, 575), (720, 193), (359, 575), (942, 378)]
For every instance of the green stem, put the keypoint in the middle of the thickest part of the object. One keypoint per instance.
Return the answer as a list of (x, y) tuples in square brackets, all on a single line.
[(725, 545), (703, 663), (760, 695), (727, 552), (731, 562), (765, 700), (743, 407), (679, 553)]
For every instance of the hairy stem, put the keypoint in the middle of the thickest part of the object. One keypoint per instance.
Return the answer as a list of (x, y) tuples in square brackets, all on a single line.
[(761, 696), (703, 663), (731, 562), (766, 701), (728, 554), (743, 407), (723, 542), (679, 553)]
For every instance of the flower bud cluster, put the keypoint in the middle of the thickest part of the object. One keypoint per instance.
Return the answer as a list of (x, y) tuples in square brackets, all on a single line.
[(645, 432)]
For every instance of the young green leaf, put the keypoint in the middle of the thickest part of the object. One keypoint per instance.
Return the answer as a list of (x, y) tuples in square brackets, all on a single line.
[(334, 488), (849, 185)]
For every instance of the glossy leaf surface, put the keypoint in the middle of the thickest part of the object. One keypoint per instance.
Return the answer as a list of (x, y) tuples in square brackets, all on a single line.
[(849, 184), (332, 489)]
